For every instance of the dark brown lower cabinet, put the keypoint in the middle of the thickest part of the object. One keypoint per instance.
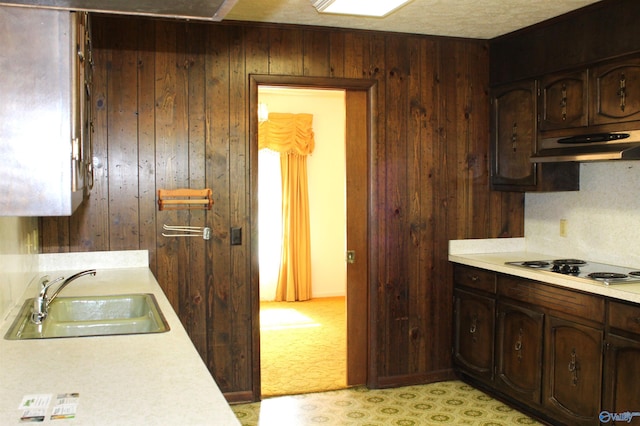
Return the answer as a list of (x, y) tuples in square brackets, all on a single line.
[(564, 356), (519, 352), (474, 325), (574, 371), (622, 384)]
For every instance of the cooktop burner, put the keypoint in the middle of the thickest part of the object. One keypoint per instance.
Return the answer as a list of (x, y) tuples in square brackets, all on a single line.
[(606, 274)]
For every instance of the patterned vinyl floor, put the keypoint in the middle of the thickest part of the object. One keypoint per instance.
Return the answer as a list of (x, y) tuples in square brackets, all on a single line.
[(451, 402)]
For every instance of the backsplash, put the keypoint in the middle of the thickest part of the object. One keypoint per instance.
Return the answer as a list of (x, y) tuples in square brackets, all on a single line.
[(18, 259), (602, 219)]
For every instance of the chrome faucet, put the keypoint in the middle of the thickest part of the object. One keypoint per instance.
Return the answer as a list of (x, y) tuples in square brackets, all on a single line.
[(42, 302)]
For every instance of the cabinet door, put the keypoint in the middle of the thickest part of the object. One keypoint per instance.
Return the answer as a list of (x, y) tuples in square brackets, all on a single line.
[(573, 358), (622, 387), (513, 134), (519, 352), (616, 92), (474, 331), (563, 101)]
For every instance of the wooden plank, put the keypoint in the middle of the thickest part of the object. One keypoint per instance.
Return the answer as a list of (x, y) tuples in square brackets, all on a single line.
[(171, 152), (444, 191), (417, 245), (147, 140), (315, 57), (478, 156), (239, 193), (399, 281), (285, 51), (122, 119), (374, 66), (193, 291), (429, 134), (54, 235), (219, 356), (354, 55), (336, 53)]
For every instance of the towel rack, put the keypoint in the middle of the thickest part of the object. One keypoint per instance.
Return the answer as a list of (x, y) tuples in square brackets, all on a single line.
[(187, 231), (184, 199)]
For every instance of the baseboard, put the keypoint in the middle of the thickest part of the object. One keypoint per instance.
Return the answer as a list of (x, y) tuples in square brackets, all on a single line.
[(239, 397), (415, 379)]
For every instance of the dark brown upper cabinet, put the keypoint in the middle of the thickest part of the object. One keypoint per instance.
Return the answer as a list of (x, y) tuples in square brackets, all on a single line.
[(513, 139), (563, 101), (514, 134), (615, 88)]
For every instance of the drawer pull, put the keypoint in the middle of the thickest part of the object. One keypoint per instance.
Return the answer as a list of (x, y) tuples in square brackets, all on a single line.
[(474, 278)]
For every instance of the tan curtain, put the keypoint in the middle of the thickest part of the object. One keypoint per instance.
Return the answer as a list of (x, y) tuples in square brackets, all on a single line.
[(292, 136)]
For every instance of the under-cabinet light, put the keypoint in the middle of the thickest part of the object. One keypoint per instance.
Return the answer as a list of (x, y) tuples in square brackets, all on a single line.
[(377, 8)]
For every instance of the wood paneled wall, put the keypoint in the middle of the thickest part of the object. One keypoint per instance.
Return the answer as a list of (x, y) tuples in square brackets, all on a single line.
[(171, 106)]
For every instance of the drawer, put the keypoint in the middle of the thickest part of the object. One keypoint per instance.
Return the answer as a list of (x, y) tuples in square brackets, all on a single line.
[(477, 278), (553, 298), (624, 316)]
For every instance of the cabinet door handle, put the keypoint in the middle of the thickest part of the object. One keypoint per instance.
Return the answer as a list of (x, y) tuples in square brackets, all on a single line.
[(514, 136), (622, 93), (574, 366), (518, 346), (563, 102), (473, 328), (474, 324)]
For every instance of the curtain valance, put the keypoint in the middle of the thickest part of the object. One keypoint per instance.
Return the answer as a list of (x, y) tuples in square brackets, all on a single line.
[(287, 133)]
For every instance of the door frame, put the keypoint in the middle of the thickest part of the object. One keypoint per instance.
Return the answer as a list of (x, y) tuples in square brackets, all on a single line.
[(366, 340)]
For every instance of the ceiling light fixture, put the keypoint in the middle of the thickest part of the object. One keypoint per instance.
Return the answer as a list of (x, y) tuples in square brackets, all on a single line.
[(376, 8)]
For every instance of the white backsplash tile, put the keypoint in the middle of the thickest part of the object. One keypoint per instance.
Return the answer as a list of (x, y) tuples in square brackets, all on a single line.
[(18, 259), (603, 218)]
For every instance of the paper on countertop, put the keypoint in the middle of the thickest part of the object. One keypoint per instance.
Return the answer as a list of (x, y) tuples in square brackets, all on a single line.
[(35, 407)]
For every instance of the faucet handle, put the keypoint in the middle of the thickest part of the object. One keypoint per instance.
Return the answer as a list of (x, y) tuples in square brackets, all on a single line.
[(43, 281), (46, 284)]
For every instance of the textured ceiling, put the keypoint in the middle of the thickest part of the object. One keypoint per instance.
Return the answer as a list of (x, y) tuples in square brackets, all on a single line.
[(483, 19)]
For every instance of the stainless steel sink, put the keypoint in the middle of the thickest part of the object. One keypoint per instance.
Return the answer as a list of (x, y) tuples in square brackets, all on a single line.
[(91, 316)]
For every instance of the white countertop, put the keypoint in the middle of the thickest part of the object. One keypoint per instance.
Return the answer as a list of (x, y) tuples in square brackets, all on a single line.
[(146, 379), (491, 254)]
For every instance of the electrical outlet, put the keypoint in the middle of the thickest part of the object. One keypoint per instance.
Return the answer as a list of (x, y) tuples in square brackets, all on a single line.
[(563, 227)]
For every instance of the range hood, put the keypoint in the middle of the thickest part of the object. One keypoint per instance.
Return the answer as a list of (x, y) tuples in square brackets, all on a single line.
[(589, 147), (210, 10)]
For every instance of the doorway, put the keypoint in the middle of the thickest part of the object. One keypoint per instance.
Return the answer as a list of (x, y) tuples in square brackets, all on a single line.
[(360, 136), (303, 343)]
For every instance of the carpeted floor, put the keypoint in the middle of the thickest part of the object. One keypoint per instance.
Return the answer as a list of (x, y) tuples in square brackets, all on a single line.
[(452, 402), (302, 346)]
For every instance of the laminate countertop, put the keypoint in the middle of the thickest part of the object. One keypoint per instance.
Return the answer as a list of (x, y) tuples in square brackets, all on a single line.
[(144, 379), (492, 254)]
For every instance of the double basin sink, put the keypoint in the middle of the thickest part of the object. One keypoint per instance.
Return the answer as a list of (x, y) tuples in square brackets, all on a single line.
[(91, 316)]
